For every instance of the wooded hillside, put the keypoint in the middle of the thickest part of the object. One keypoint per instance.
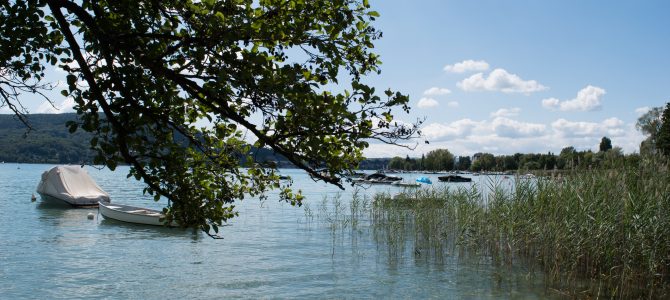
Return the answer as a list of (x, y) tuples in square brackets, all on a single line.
[(48, 142)]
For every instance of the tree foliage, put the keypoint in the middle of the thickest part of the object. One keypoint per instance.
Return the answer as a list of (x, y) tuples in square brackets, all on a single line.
[(650, 125), (145, 75), (26, 45), (663, 139), (439, 160), (605, 144)]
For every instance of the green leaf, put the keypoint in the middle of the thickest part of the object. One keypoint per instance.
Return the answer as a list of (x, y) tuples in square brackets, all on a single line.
[(71, 79)]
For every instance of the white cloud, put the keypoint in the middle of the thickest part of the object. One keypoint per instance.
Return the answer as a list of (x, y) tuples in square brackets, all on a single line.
[(452, 104), (642, 110), (502, 135), (608, 127), (505, 127), (65, 107), (456, 129), (436, 91), (588, 99), (506, 112), (427, 103), (466, 66), (500, 80)]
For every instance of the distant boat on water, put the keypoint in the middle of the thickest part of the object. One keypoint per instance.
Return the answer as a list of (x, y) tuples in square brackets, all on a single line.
[(454, 178), (378, 178)]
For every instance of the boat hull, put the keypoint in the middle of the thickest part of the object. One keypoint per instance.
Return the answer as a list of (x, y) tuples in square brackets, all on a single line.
[(405, 184), (132, 214), (81, 203)]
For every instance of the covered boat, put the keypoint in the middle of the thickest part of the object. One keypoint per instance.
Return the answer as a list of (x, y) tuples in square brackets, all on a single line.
[(71, 185)]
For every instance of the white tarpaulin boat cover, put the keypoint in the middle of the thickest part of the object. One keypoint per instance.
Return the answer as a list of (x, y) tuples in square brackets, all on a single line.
[(71, 184)]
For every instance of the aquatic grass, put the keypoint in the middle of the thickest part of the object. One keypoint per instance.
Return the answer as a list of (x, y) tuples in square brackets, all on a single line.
[(587, 234), (595, 233)]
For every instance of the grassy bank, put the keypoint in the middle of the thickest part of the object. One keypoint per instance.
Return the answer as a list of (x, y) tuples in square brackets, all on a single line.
[(597, 233)]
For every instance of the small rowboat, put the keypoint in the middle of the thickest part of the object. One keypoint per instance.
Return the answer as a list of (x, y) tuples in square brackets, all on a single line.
[(132, 214)]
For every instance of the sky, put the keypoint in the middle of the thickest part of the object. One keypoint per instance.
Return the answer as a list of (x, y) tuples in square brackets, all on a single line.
[(514, 76), (524, 76)]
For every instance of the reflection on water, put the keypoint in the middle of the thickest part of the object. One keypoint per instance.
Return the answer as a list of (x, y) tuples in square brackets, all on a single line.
[(406, 240), (327, 248), (148, 231)]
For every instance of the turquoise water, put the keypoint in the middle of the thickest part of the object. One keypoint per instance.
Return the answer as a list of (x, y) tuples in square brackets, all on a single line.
[(272, 250)]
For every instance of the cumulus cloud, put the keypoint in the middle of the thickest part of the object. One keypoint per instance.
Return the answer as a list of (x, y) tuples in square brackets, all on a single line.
[(467, 66), (507, 136), (505, 127), (65, 107), (502, 135), (436, 91), (642, 110), (588, 99), (506, 112), (452, 104), (500, 80), (456, 129), (570, 129), (427, 103)]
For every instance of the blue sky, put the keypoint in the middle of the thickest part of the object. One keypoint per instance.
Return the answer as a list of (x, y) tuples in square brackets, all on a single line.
[(524, 76), (516, 76)]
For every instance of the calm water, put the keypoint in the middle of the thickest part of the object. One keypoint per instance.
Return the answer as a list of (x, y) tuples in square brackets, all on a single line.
[(273, 250)]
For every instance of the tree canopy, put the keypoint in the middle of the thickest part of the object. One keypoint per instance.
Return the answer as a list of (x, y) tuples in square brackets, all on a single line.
[(650, 124), (439, 160), (145, 75), (663, 138), (605, 144)]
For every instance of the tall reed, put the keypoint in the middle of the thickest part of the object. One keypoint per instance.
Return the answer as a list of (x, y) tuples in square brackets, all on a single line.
[(596, 233)]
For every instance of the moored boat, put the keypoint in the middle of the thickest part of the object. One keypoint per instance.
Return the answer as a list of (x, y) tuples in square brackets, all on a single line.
[(132, 214), (454, 178), (379, 178), (405, 184), (70, 185)]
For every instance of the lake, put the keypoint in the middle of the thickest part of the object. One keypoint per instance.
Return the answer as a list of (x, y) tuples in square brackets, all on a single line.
[(272, 250)]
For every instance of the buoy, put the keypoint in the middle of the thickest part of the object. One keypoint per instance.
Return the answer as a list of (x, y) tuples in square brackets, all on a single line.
[(33, 198), (90, 216)]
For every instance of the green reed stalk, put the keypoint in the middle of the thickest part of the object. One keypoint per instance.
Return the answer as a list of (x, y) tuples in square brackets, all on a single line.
[(597, 233)]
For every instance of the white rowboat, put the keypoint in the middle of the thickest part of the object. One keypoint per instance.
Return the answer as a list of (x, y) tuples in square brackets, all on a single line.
[(132, 214)]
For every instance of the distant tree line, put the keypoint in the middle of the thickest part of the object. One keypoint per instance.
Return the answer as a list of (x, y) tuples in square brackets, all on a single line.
[(569, 158)]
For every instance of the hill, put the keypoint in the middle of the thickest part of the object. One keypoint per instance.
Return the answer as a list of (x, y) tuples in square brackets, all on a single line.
[(48, 142)]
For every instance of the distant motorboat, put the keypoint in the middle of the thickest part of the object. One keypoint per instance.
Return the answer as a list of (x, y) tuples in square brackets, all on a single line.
[(454, 178), (379, 178), (405, 184), (71, 185), (132, 214)]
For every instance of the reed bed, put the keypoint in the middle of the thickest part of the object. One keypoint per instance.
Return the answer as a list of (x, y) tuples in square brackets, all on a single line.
[(594, 234), (589, 234)]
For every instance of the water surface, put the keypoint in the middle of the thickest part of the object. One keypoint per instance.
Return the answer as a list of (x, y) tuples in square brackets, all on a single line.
[(272, 250)]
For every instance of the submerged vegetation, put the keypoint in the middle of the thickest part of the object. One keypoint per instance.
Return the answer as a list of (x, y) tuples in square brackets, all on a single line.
[(593, 233)]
